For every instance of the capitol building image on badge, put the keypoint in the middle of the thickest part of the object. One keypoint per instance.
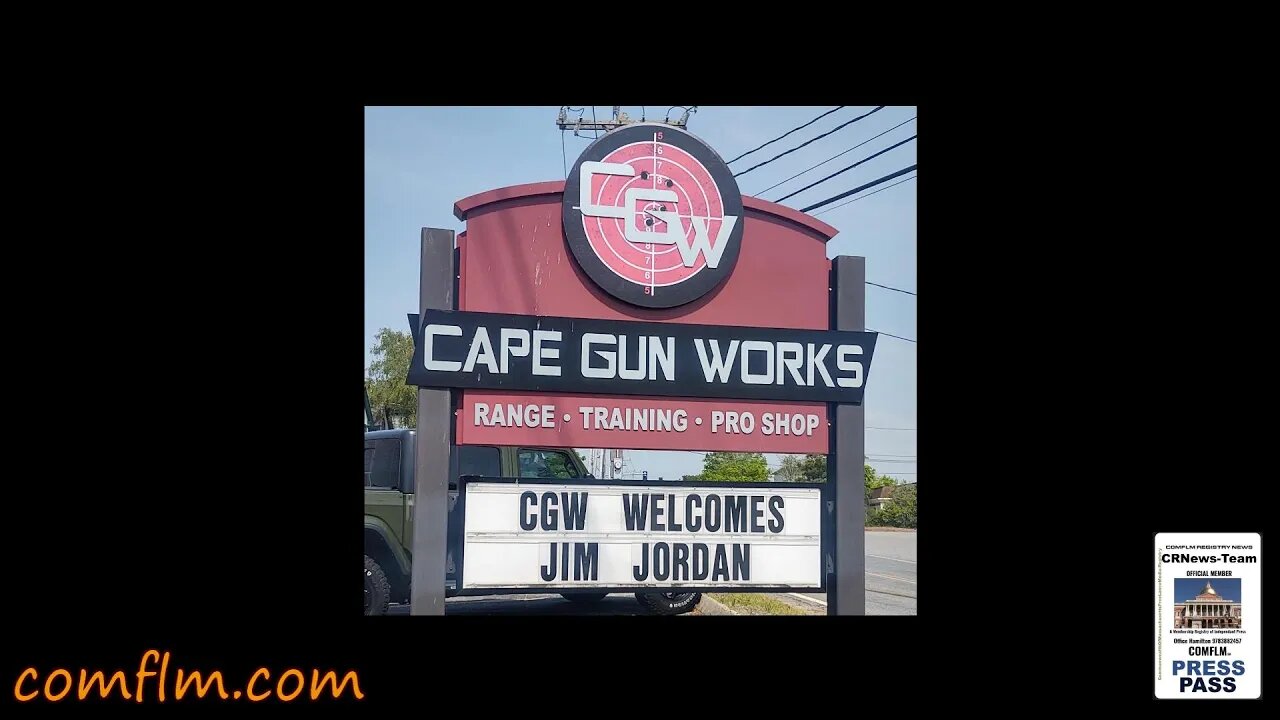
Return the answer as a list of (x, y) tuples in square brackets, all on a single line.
[(1207, 610)]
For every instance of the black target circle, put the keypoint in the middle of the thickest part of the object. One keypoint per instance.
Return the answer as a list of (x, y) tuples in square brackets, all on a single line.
[(653, 215)]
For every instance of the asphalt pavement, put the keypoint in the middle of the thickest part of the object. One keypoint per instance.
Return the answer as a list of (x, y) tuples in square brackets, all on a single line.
[(891, 574), (890, 589)]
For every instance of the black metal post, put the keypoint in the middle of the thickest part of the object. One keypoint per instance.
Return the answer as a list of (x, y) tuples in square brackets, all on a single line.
[(846, 591), (434, 441)]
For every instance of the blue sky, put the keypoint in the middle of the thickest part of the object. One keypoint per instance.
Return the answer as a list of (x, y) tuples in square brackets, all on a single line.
[(1185, 589), (420, 160)]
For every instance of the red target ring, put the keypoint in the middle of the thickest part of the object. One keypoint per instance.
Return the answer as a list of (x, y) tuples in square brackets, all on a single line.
[(653, 215)]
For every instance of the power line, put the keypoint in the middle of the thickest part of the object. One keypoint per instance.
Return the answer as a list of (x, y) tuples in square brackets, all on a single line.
[(890, 335), (833, 157), (847, 169), (780, 136), (846, 202), (886, 287), (788, 152), (564, 160), (860, 188), (684, 119), (874, 427)]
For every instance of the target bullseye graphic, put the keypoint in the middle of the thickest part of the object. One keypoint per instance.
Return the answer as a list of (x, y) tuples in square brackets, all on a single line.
[(653, 215)]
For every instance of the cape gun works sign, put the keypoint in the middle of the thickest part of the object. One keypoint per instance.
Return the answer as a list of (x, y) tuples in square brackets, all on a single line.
[(573, 355), (643, 302)]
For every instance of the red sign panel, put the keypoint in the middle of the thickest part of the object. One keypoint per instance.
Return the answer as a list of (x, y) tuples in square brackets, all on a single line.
[(638, 423), (514, 259)]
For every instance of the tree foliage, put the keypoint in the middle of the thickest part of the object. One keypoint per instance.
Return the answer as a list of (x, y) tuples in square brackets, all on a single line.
[(874, 481), (813, 468), (803, 468), (789, 470), (561, 467), (388, 393), (900, 511), (735, 467)]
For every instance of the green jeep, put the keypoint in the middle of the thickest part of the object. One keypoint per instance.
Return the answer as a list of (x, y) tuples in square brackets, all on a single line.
[(388, 513)]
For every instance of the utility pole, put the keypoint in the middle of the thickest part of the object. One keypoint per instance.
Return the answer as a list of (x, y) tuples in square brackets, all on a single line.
[(618, 119)]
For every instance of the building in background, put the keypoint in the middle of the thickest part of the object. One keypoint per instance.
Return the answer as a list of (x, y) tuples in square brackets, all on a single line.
[(884, 495), (880, 496), (1207, 610)]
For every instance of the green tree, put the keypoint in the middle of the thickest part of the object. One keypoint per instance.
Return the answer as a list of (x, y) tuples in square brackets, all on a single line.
[(813, 468), (734, 467), (803, 468), (900, 511), (790, 469), (874, 481), (388, 393), (559, 466)]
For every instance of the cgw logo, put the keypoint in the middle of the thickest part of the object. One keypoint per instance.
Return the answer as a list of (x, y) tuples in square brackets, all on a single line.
[(671, 232), (653, 216)]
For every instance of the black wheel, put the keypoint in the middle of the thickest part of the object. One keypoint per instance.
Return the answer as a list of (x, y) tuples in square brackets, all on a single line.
[(669, 603), (377, 590), (584, 597)]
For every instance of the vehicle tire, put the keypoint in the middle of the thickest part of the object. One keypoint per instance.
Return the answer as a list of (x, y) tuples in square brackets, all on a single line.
[(584, 597), (669, 603), (377, 590)]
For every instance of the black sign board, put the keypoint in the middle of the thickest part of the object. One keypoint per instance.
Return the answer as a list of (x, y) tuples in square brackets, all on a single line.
[(573, 355)]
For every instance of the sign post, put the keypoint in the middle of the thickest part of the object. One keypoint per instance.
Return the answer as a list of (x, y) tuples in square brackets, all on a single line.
[(846, 591), (434, 442)]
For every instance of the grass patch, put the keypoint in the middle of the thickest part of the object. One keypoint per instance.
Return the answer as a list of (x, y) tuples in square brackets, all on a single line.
[(755, 604)]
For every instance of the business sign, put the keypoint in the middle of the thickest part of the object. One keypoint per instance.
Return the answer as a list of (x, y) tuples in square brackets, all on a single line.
[(574, 355), (641, 423), (653, 215), (643, 303), (522, 534)]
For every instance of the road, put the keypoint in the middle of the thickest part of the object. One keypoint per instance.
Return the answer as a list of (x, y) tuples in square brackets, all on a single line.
[(891, 589), (891, 574)]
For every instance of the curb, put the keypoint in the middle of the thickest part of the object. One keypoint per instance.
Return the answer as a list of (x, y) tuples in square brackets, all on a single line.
[(711, 606), (889, 529), (803, 602)]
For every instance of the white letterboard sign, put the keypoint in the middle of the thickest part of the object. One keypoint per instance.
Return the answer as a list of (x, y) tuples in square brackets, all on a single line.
[(553, 535)]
